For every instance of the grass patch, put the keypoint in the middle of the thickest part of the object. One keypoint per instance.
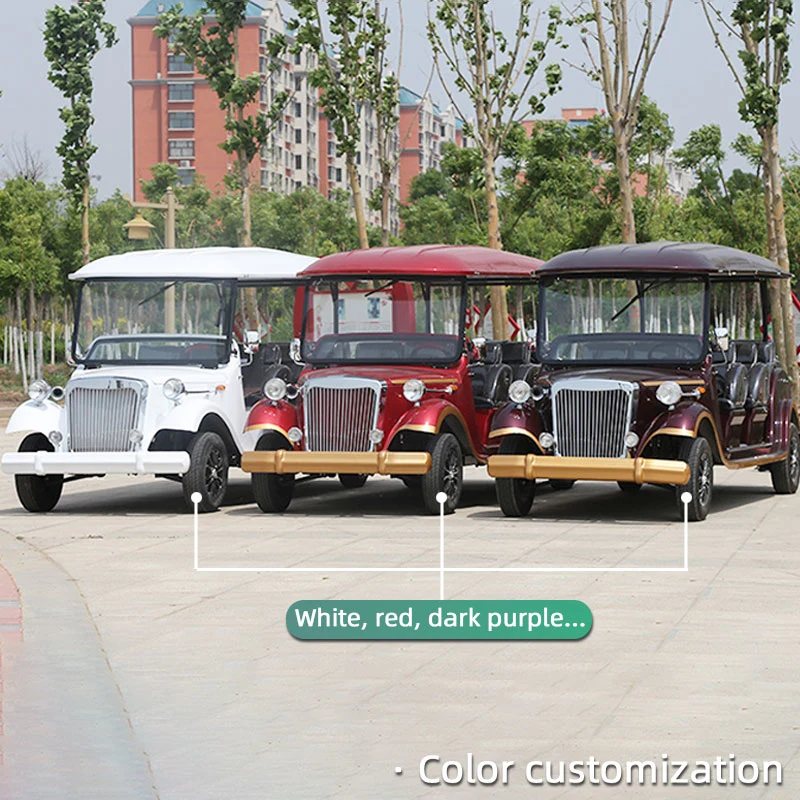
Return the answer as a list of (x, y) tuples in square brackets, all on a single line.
[(11, 390)]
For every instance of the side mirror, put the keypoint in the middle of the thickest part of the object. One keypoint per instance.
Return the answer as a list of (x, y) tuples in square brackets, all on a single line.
[(251, 339), (723, 338), (294, 351)]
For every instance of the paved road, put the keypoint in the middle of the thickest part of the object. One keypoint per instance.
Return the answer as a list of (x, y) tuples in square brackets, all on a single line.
[(137, 677)]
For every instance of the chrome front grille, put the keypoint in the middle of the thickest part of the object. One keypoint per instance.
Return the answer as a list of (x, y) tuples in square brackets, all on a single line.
[(591, 417), (101, 413), (339, 414)]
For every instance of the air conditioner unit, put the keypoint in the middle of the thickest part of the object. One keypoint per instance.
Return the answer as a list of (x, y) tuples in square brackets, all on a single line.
[(186, 163)]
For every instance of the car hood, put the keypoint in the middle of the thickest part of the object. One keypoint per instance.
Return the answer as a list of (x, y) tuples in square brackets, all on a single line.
[(152, 375), (396, 375), (631, 374)]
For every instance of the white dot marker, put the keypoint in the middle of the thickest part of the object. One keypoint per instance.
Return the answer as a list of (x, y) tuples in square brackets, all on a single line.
[(398, 770), (686, 498), (441, 498), (196, 498)]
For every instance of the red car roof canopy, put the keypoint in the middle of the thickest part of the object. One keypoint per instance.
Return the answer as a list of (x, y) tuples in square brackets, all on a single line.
[(438, 260)]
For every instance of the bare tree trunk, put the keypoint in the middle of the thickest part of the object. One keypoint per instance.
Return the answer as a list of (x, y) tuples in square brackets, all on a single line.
[(386, 193), (782, 312), (21, 343), (85, 246), (358, 201), (628, 222), (31, 333), (497, 293)]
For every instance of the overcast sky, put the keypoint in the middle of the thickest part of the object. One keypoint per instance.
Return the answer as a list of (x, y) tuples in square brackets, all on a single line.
[(689, 81)]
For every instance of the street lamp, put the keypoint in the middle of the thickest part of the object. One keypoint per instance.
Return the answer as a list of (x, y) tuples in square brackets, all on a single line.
[(139, 229)]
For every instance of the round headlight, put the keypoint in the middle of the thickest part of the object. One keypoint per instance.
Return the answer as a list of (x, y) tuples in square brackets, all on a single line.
[(669, 393), (135, 437), (275, 389), (56, 437), (547, 440), (376, 436), (413, 390), (538, 392), (631, 440), (519, 392), (294, 434), (173, 388), (38, 390)]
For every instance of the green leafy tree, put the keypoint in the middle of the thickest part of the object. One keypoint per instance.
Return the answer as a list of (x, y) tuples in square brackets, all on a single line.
[(213, 49), (761, 31), (73, 37), (350, 75), (497, 73)]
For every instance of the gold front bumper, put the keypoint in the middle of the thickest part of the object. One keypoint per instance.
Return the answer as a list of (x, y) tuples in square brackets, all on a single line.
[(629, 470), (385, 462)]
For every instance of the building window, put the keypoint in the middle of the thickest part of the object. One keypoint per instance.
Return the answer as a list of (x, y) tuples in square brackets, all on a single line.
[(338, 175), (298, 109), (181, 148), (330, 173), (298, 84), (298, 58), (181, 120), (262, 36), (177, 62), (298, 162), (179, 92), (265, 177), (331, 148), (298, 185), (298, 136), (186, 176)]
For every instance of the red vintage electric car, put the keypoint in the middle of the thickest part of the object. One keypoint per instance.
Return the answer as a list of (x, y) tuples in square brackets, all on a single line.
[(657, 365), (399, 378)]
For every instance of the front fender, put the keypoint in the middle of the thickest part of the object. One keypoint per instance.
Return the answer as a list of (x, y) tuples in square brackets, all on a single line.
[(36, 417), (275, 416), (524, 420), (683, 420)]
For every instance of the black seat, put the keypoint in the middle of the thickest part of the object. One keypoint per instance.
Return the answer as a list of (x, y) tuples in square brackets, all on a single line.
[(731, 377), (490, 380), (760, 376)]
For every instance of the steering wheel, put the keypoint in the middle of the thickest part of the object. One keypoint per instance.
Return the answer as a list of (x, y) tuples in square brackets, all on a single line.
[(199, 349), (687, 352), (435, 347)]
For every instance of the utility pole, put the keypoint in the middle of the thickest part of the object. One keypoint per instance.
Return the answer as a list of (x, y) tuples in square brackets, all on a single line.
[(139, 228)]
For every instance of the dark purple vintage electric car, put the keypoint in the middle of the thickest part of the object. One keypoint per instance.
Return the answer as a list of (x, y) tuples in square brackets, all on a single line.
[(657, 365)]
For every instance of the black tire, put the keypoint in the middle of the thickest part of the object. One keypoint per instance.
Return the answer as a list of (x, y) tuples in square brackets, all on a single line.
[(352, 481), (629, 487), (697, 454), (560, 486), (273, 493), (207, 473), (446, 473), (38, 493), (786, 473), (515, 495)]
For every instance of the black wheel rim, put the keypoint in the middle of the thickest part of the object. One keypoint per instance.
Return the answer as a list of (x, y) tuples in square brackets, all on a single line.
[(215, 473), (451, 474), (794, 460), (703, 483)]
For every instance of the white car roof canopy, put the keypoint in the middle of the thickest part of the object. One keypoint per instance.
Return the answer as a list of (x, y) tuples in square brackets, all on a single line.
[(244, 264)]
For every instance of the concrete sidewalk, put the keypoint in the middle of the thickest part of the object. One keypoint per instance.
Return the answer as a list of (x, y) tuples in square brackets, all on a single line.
[(225, 704)]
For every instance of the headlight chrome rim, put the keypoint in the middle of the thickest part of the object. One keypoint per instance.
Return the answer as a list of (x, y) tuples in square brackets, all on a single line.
[(631, 440), (275, 389), (519, 392), (38, 390), (294, 434), (413, 390), (173, 388), (669, 393)]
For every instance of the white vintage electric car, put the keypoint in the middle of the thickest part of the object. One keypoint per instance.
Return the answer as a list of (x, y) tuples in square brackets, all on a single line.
[(171, 349)]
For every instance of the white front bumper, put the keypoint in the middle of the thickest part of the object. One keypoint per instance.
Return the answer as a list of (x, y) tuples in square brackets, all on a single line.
[(139, 463)]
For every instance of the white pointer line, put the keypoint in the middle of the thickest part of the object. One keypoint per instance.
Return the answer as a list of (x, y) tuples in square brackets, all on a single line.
[(441, 569)]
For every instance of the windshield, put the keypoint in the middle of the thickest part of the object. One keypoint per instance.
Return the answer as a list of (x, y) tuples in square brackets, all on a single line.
[(154, 322), (621, 320), (384, 322)]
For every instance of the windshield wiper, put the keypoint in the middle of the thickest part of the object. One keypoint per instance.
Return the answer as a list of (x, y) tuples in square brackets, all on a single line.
[(640, 294), (380, 289), (159, 292)]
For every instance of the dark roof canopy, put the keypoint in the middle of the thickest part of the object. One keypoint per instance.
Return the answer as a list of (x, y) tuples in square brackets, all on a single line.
[(436, 260), (697, 258)]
